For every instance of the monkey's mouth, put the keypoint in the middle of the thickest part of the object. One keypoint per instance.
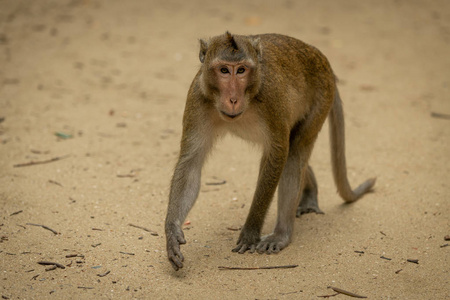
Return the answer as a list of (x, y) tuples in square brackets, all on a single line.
[(231, 116)]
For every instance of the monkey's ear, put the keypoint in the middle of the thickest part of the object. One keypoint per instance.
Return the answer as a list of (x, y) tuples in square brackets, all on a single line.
[(256, 44), (203, 49)]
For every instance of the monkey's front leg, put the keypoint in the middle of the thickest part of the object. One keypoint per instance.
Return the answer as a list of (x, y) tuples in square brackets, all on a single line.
[(183, 193), (269, 174)]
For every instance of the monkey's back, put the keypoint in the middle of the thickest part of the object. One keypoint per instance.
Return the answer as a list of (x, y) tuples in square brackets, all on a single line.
[(290, 55)]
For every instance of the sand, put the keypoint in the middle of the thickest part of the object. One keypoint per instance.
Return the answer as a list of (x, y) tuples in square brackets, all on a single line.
[(96, 90)]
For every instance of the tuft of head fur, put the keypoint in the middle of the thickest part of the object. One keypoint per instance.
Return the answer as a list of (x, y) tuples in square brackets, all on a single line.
[(232, 42), (229, 47)]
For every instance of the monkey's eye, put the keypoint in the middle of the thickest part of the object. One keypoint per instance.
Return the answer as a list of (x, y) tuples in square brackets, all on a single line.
[(240, 70), (224, 71)]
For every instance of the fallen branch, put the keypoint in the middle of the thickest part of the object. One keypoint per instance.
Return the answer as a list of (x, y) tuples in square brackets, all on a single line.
[(154, 233), (290, 293), (55, 182), (344, 292), (216, 183), (126, 175), (415, 261), (50, 263), (43, 226), (258, 268), (75, 255), (104, 274), (16, 213), (328, 296), (41, 162), (234, 228), (440, 115)]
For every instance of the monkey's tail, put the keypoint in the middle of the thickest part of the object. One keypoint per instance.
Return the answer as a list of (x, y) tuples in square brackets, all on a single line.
[(339, 166)]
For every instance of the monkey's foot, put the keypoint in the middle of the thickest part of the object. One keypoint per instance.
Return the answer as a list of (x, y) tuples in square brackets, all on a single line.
[(247, 242), (273, 243), (308, 205)]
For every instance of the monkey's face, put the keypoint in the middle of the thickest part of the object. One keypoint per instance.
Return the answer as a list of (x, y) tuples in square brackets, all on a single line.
[(232, 80), (230, 73)]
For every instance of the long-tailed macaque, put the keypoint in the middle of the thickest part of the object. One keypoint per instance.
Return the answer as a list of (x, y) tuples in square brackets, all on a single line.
[(273, 90)]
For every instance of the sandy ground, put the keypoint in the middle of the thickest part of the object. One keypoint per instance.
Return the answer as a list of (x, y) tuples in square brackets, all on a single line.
[(113, 75)]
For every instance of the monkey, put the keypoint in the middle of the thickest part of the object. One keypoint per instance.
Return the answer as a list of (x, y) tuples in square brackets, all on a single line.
[(275, 91)]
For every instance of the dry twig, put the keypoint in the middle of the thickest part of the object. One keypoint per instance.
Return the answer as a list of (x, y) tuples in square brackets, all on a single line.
[(43, 226), (328, 296), (104, 274), (258, 268), (347, 293), (55, 182), (50, 263), (126, 175), (216, 183), (32, 163), (415, 261), (154, 233), (51, 268), (16, 213), (440, 115), (74, 255)]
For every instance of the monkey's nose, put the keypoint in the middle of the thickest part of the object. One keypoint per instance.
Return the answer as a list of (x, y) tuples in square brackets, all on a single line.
[(233, 100)]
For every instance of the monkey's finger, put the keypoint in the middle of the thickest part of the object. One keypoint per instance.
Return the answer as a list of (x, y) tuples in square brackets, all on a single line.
[(245, 247), (262, 248), (273, 248), (276, 248), (176, 264), (179, 255), (181, 240), (236, 249), (176, 258), (240, 249)]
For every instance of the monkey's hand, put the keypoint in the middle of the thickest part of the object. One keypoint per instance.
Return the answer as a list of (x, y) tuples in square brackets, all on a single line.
[(175, 238), (248, 240)]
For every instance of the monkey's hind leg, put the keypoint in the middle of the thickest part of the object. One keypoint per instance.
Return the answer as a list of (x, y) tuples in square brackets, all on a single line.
[(309, 202), (289, 190)]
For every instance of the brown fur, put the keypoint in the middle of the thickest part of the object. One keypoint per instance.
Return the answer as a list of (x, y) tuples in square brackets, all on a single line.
[(273, 90)]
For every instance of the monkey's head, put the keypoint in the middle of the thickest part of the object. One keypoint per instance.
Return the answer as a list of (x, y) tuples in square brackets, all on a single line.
[(230, 72)]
